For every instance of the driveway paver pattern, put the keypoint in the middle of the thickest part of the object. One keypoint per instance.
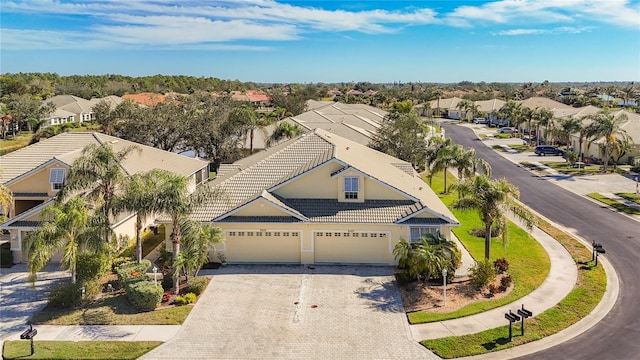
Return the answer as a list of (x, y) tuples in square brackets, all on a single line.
[(296, 312)]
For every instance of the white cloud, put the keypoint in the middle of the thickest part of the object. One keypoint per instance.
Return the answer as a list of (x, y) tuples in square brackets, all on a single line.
[(169, 23), (558, 30)]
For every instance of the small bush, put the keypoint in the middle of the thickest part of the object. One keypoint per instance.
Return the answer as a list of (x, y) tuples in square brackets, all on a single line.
[(403, 278), (66, 295), (505, 282), (91, 266), (196, 285), (6, 258), (482, 274), (144, 294), (186, 299), (91, 289), (133, 272), (167, 280), (501, 265)]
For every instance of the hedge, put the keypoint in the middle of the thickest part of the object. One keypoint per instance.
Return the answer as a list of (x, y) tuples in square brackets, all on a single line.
[(144, 294)]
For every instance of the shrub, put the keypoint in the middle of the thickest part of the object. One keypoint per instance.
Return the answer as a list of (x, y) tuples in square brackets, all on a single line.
[(91, 266), (196, 285), (144, 294), (119, 261), (133, 272), (403, 278), (66, 295), (186, 299), (482, 274), (6, 258), (167, 280), (501, 265), (505, 282)]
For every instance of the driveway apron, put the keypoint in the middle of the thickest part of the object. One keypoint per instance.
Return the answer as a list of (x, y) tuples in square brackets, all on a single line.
[(296, 312)]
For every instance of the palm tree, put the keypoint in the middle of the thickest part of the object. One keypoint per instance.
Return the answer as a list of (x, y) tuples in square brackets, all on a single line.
[(492, 199), (445, 160), (438, 94), (197, 240), (176, 201), (568, 127), (543, 117), (284, 130), (606, 126), (426, 257), (512, 111), (464, 105), (6, 201), (467, 164), (434, 144), (99, 175), (139, 196), (67, 226)]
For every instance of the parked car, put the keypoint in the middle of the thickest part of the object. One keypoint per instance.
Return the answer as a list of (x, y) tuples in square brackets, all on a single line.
[(499, 122), (507, 130), (480, 121), (548, 150)]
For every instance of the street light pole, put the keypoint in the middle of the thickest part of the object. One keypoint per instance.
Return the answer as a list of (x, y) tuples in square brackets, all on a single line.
[(444, 280), (155, 275)]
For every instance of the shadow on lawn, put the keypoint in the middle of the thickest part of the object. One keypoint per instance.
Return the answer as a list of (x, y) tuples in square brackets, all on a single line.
[(493, 344)]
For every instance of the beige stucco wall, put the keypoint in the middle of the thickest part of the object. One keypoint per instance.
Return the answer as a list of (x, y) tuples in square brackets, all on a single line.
[(261, 208), (38, 182), (316, 184), (307, 247)]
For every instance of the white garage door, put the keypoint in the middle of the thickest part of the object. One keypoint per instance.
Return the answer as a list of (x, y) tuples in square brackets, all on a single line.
[(351, 247), (263, 246)]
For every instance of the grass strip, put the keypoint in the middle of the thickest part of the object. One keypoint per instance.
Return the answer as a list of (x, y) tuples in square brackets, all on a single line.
[(614, 204), (630, 196), (585, 296), (15, 143), (20, 349), (529, 262)]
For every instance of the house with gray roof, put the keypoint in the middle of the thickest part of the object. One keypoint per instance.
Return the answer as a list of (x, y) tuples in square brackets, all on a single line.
[(36, 173), (321, 198)]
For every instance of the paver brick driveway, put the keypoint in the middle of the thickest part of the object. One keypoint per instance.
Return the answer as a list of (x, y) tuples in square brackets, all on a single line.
[(296, 312)]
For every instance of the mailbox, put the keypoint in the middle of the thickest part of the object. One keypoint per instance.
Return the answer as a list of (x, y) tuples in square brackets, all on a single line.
[(524, 312), (28, 334)]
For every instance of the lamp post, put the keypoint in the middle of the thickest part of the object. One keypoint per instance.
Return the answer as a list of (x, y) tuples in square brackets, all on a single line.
[(444, 280), (155, 275)]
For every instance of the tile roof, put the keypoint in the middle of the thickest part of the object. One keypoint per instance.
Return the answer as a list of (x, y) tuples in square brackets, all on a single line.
[(542, 102), (369, 211), (254, 177), (423, 221), (66, 147), (30, 194), (28, 224), (147, 98), (259, 219), (71, 103)]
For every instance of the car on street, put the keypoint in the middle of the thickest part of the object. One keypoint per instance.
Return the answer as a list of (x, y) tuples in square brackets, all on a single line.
[(507, 130), (548, 150)]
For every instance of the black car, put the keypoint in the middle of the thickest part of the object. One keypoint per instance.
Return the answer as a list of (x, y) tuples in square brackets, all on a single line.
[(548, 150)]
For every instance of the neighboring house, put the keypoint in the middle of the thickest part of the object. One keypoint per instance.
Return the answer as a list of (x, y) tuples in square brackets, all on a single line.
[(146, 98), (632, 128), (490, 107), (357, 122), (37, 172), (81, 108), (320, 198), (253, 97), (445, 107), (59, 116), (112, 100)]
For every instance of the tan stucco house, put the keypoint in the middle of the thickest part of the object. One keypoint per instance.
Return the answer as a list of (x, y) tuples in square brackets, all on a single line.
[(320, 198), (37, 172)]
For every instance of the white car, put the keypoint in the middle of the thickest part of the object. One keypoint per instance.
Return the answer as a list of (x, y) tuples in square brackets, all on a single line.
[(507, 130), (480, 121)]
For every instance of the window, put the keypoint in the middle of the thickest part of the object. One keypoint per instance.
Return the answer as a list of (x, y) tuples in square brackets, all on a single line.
[(319, 234), (56, 178), (286, 233), (337, 234), (240, 233), (294, 234), (267, 233), (356, 234), (249, 233), (418, 232), (232, 233), (277, 233), (350, 187)]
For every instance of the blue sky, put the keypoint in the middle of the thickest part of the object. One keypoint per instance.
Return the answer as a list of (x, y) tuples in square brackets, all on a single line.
[(327, 41)]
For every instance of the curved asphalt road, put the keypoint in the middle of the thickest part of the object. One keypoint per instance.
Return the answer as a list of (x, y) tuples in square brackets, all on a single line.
[(617, 336)]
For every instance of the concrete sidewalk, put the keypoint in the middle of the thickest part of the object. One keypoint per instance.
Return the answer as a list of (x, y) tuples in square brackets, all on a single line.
[(103, 332), (557, 285)]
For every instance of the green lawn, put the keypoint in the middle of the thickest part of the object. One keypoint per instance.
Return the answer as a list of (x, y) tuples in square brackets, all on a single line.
[(614, 204), (111, 310), (529, 262), (567, 169), (584, 297), (15, 143), (630, 196), (20, 349)]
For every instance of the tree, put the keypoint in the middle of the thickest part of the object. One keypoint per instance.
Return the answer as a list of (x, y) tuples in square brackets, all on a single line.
[(197, 240), (512, 111), (434, 145), (25, 107), (426, 257), (6, 201), (467, 164), (285, 130), (445, 160), (469, 107), (139, 196), (544, 117), (402, 135), (98, 175), (492, 199), (607, 127), (176, 201), (67, 226), (568, 127)]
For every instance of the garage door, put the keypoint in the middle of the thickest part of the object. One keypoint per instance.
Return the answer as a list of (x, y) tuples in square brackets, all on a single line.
[(263, 246), (351, 247)]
